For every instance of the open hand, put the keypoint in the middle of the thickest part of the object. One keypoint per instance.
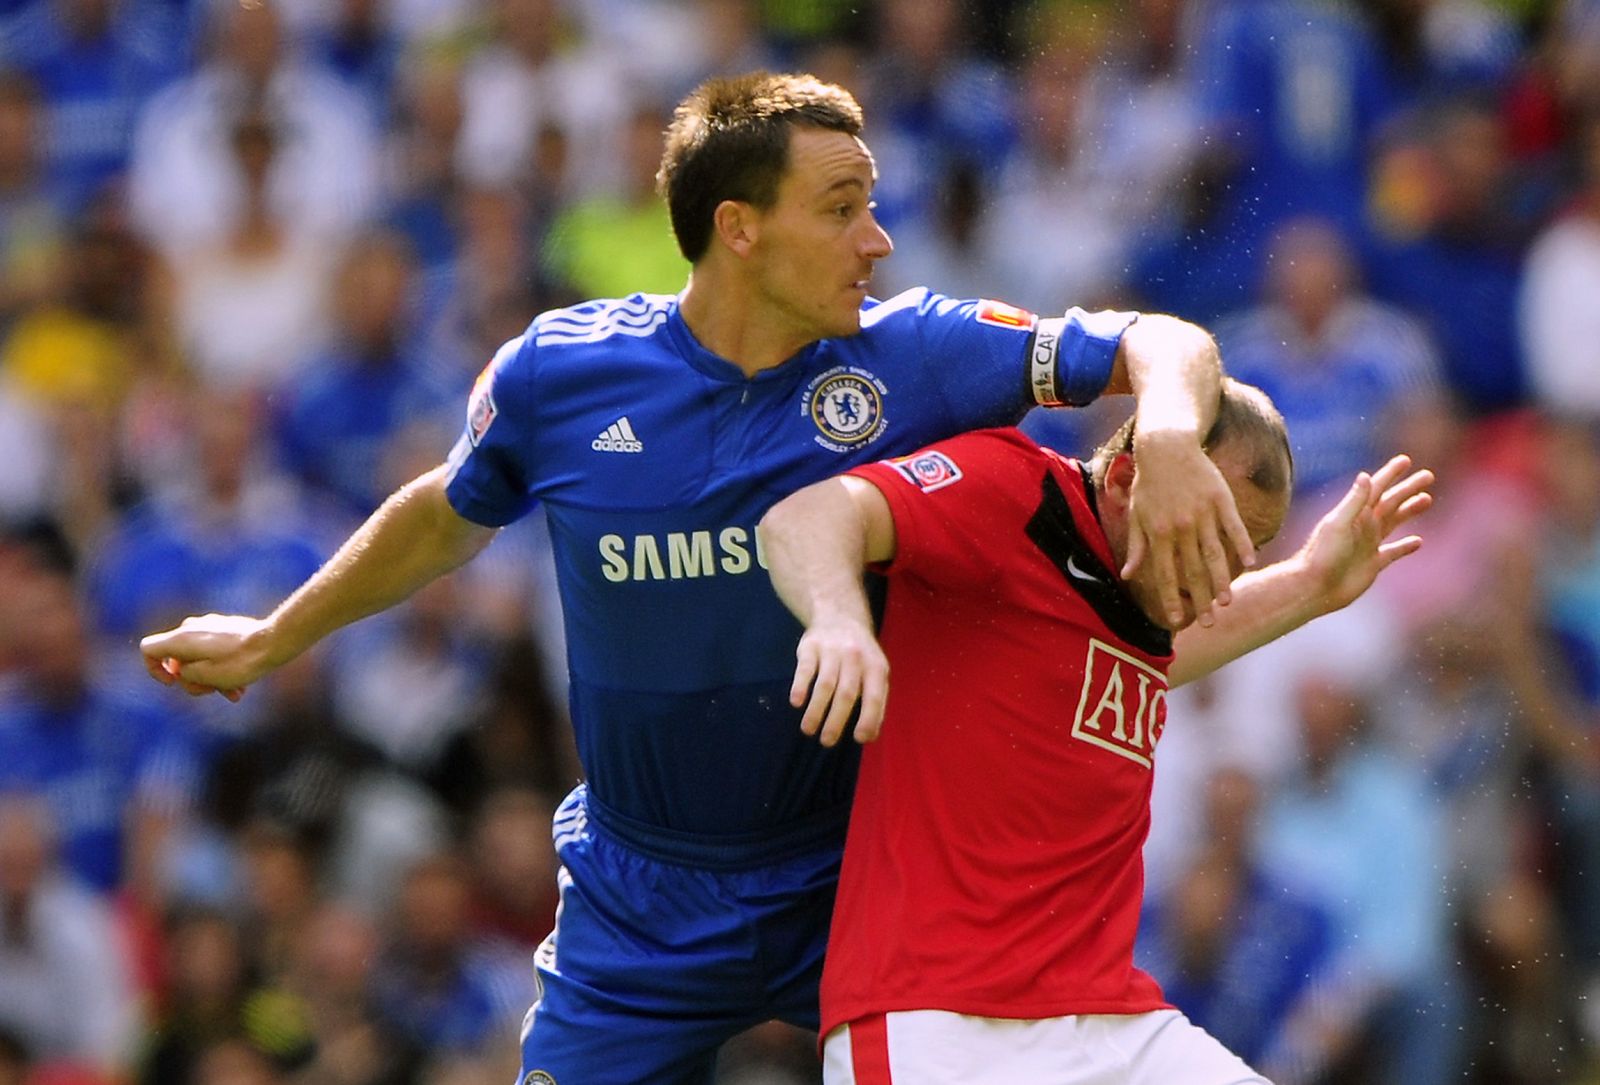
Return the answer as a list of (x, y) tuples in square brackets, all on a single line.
[(1347, 550), (838, 666), (1182, 518)]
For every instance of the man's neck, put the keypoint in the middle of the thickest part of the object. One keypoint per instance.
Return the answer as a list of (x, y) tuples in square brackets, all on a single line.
[(728, 319)]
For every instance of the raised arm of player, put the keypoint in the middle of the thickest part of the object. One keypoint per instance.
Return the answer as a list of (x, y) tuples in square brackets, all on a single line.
[(818, 541), (1182, 517), (1338, 562), (414, 537)]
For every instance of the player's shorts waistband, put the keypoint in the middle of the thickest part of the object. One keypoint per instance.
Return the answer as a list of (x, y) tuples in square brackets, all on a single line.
[(739, 851)]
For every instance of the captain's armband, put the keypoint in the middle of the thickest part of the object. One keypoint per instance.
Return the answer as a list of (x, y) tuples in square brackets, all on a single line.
[(1070, 357)]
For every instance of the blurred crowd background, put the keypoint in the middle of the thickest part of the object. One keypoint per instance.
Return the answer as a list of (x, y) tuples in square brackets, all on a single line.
[(253, 252)]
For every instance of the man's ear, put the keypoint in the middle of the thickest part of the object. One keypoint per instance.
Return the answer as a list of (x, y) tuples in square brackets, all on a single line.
[(737, 226), (1119, 475)]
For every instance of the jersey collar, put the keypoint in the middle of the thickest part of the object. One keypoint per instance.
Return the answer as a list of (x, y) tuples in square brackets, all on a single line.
[(719, 368)]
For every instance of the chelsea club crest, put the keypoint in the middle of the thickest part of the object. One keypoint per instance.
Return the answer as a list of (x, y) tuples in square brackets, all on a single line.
[(846, 405)]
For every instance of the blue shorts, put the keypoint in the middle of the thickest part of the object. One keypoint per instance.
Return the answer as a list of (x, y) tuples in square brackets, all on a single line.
[(653, 965)]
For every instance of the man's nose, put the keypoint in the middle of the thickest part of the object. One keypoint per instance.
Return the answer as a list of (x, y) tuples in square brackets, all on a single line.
[(878, 243)]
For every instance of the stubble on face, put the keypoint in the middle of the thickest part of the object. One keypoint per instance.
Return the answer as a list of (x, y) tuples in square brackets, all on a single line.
[(819, 241)]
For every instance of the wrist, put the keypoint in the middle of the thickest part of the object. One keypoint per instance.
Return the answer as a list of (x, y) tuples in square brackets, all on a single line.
[(1320, 593), (1166, 434), (269, 645)]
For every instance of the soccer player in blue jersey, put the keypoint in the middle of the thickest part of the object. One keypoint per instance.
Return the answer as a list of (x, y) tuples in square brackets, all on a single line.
[(700, 857)]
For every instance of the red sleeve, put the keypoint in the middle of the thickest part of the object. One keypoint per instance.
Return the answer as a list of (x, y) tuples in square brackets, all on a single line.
[(956, 501)]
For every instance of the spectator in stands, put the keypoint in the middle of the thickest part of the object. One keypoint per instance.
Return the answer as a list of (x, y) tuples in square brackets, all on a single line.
[(430, 983), (207, 997), (239, 532), (334, 422), (1293, 94), (118, 772), (1231, 948), (1560, 320), (1452, 218), (1357, 831), (64, 983), (183, 188), (934, 102), (32, 217), (422, 181), (362, 47), (538, 71), (251, 308), (513, 868), (96, 63), (609, 245), (1336, 362)]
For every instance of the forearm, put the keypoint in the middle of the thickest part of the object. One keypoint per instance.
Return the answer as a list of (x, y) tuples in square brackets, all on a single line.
[(412, 539), (816, 548), (1266, 604), (1174, 371)]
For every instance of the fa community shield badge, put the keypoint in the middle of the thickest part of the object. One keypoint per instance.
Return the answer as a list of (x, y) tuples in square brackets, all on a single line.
[(538, 1077), (846, 405)]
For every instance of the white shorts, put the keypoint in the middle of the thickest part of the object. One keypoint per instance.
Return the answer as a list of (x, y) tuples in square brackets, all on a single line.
[(935, 1047)]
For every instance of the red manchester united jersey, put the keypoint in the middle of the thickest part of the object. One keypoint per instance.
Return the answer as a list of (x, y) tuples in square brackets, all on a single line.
[(993, 865)]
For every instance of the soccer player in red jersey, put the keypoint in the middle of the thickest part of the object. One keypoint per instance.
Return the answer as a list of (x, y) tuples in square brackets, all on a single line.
[(992, 880)]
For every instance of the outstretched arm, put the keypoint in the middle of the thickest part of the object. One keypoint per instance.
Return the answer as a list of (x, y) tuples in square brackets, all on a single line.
[(818, 541), (1183, 518), (413, 538), (1338, 562)]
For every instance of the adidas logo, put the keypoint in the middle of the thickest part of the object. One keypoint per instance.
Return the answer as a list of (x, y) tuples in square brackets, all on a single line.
[(618, 437)]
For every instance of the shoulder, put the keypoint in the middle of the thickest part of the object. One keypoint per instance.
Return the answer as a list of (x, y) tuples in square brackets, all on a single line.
[(606, 320), (1003, 461), (904, 308)]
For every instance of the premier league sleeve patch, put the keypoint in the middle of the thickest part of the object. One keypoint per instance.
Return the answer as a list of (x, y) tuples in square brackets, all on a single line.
[(928, 471), (481, 410), (1002, 315)]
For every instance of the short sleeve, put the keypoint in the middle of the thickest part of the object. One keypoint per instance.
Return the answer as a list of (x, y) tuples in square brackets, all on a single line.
[(955, 501), (992, 361), (490, 476)]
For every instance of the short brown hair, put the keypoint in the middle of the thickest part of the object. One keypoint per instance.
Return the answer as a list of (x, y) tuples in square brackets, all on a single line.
[(1244, 413), (729, 140)]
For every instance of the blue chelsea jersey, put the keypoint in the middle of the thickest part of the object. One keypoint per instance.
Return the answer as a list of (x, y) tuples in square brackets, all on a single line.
[(654, 459)]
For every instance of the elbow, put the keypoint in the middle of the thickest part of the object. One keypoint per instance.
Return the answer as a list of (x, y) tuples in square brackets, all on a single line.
[(1173, 333), (778, 520)]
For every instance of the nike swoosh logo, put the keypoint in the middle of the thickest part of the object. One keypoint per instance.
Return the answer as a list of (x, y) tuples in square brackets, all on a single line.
[(1077, 571)]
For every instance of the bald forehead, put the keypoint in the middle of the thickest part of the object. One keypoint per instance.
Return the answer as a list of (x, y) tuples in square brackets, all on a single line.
[(1262, 510)]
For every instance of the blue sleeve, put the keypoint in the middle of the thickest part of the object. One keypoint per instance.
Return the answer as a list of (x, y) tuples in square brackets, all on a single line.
[(991, 361), (490, 473)]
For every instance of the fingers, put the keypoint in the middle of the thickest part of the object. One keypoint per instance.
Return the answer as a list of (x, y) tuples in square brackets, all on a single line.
[(1166, 578), (805, 670), (1389, 553), (1238, 534), (159, 669), (874, 699), (171, 671), (1216, 562), (1196, 577), (1391, 472), (1396, 497), (846, 692), (1353, 503), (831, 680), (1137, 549)]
